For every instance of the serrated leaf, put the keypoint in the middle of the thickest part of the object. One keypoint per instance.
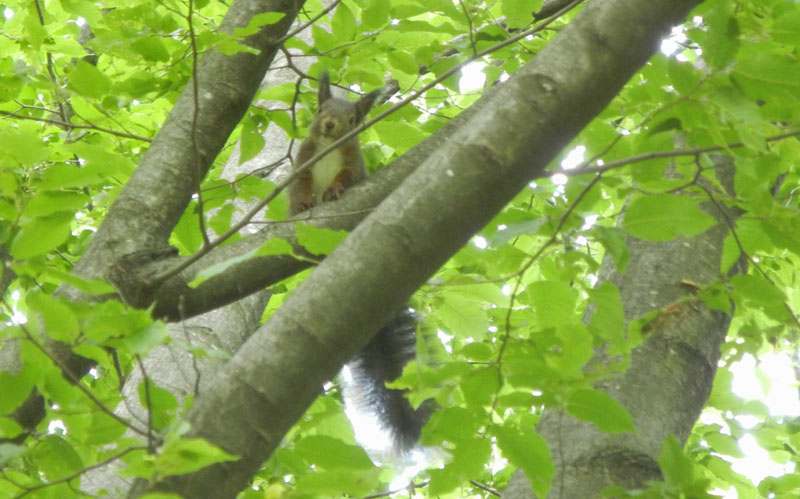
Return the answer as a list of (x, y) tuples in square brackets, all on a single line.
[(519, 13), (146, 339), (403, 61), (343, 23), (59, 320), (55, 457), (8, 429), (48, 202), (598, 408), (318, 241), (528, 450), (677, 468), (182, 456), (252, 139), (376, 14), (554, 302), (332, 453), (151, 48), (161, 403), (398, 134), (257, 22), (21, 147), (664, 217), (608, 319), (88, 80), (274, 246), (41, 234), (480, 386), (613, 240)]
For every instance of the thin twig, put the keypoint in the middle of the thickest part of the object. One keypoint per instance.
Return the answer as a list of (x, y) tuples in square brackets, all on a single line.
[(469, 23), (148, 401), (585, 168), (75, 475), (195, 112), (65, 124)]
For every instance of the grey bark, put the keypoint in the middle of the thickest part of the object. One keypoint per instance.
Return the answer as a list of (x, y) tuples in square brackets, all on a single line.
[(515, 130)]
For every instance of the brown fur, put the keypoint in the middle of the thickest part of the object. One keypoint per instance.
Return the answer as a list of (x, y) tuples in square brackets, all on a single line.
[(335, 118)]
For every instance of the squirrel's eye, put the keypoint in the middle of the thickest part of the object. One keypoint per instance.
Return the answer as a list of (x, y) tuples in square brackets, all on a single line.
[(352, 120)]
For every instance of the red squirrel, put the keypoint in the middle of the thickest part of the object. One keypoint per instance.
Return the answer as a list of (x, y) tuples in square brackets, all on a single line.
[(344, 166), (369, 403)]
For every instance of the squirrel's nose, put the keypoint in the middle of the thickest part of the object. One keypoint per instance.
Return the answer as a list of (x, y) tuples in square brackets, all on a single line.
[(329, 125)]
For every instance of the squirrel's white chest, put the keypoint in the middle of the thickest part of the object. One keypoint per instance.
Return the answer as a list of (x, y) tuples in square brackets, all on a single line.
[(324, 171)]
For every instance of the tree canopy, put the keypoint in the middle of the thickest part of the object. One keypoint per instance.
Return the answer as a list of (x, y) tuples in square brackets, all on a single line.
[(592, 204)]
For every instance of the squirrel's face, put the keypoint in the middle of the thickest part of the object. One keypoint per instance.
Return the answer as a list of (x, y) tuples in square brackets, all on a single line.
[(335, 118)]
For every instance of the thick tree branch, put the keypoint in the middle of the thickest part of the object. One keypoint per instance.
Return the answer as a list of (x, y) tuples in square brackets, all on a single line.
[(155, 197), (516, 129)]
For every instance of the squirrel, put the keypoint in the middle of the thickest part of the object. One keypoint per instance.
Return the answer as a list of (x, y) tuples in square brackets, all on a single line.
[(385, 423), (327, 179), (368, 402)]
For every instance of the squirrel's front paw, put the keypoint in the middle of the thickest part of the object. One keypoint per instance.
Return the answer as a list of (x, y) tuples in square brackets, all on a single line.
[(299, 206), (333, 192)]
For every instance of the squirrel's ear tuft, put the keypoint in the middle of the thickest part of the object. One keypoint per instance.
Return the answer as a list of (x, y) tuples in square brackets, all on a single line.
[(365, 103), (324, 87)]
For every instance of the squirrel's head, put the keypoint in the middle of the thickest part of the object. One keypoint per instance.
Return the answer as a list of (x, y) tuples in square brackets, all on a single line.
[(335, 116)]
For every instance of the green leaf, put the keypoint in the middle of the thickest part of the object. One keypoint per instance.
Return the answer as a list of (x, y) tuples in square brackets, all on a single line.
[(182, 456), (528, 450), (16, 388), (41, 235), (146, 339), (598, 408), (332, 453), (22, 147), (274, 246), (104, 429), (553, 301), (318, 241), (665, 216), (676, 467), (56, 458), (403, 61), (722, 40), (252, 138), (608, 319), (48, 202), (344, 23), (161, 403), (519, 13), (480, 386), (376, 14), (59, 320), (337, 482), (257, 22), (88, 80), (151, 48), (463, 315), (469, 456), (613, 240), (8, 429)]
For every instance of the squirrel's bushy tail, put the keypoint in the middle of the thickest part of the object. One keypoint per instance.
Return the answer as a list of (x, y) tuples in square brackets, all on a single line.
[(384, 421)]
